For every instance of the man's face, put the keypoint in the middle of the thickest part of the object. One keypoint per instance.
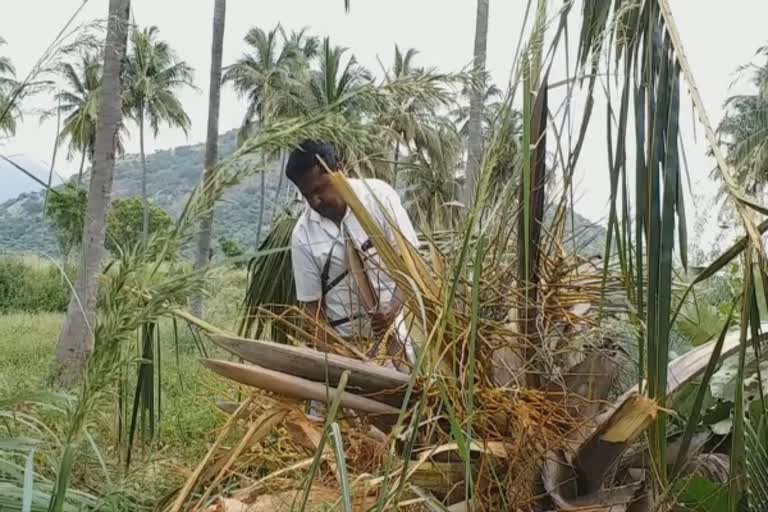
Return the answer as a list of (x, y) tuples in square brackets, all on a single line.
[(317, 189)]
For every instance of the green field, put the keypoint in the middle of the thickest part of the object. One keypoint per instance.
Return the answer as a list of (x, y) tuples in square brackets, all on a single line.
[(188, 392)]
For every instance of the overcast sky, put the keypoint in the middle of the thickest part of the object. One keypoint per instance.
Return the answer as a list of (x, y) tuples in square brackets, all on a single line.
[(718, 36)]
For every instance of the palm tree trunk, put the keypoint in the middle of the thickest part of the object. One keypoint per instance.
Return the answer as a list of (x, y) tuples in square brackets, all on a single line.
[(53, 158), (396, 160), (261, 202), (475, 139), (80, 172), (283, 157), (76, 341), (144, 197), (211, 142)]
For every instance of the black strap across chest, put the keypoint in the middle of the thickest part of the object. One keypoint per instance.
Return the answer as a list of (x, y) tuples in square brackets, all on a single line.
[(326, 286)]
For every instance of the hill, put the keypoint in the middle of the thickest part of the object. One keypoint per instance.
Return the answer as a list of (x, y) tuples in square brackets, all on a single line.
[(171, 176)]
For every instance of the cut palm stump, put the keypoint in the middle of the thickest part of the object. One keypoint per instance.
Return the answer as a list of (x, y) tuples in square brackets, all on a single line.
[(575, 482)]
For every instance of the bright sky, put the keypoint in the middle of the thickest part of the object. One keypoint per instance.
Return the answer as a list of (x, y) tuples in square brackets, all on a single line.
[(718, 36)]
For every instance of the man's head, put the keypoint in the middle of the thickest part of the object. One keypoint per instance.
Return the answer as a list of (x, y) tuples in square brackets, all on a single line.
[(308, 174)]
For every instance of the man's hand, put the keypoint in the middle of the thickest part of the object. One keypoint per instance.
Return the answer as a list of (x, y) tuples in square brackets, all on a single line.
[(385, 316), (382, 319)]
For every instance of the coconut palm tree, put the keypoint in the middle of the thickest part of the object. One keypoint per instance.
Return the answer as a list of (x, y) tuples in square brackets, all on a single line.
[(78, 102), (302, 44), (7, 74), (417, 121), (301, 50), (492, 101), (404, 120), (76, 341), (270, 73), (10, 114), (304, 49), (212, 136), (273, 77), (6, 67), (497, 117), (431, 172), (154, 75), (336, 78), (744, 131), (475, 138)]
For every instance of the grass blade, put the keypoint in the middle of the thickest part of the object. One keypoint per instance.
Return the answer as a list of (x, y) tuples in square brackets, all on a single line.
[(671, 184), (29, 481), (736, 486), (61, 487), (97, 452), (341, 464), (475, 312), (332, 411), (640, 198)]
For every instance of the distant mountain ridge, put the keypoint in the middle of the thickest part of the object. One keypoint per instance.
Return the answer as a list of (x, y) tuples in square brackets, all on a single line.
[(171, 176)]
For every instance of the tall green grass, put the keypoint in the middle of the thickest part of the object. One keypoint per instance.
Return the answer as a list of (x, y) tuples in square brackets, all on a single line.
[(27, 343), (98, 479), (32, 285)]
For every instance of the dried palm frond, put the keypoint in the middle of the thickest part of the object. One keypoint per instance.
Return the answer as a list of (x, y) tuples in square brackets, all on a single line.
[(446, 386)]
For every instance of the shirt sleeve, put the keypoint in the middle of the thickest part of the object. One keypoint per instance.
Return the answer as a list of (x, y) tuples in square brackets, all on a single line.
[(401, 217), (306, 275)]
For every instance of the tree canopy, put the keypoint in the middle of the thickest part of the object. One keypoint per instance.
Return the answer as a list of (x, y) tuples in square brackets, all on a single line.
[(744, 130), (125, 224)]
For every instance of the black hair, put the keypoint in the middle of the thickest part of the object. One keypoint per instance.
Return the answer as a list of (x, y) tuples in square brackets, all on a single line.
[(304, 158)]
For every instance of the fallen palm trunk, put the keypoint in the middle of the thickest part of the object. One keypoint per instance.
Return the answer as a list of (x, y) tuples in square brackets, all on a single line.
[(294, 387), (364, 378)]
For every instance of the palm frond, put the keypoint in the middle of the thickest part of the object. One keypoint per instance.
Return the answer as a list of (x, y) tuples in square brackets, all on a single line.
[(6, 67), (154, 75), (270, 283)]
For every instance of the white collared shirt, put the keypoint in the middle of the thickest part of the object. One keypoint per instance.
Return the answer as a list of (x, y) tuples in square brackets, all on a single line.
[(315, 238)]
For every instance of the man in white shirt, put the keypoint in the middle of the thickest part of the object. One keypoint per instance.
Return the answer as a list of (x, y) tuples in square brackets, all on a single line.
[(323, 284)]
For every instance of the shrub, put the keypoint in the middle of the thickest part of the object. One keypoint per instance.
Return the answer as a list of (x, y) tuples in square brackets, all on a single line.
[(126, 222), (231, 249), (66, 212), (31, 286)]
